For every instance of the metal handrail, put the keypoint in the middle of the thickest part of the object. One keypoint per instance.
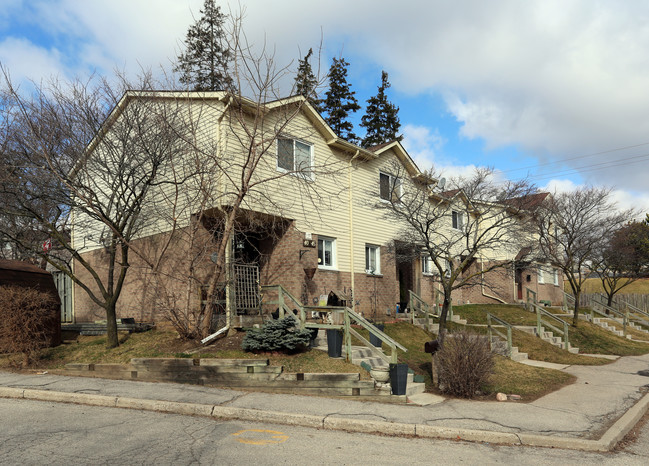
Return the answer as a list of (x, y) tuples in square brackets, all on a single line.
[(540, 313), (508, 337)]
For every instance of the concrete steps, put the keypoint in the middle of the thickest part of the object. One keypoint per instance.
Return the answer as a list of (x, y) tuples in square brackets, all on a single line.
[(362, 354), (499, 346), (421, 322), (554, 340), (607, 324)]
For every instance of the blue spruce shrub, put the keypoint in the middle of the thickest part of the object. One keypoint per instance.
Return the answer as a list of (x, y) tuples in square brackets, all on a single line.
[(277, 335)]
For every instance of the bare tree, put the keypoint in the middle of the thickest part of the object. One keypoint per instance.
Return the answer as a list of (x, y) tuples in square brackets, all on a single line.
[(465, 232), (84, 157), (254, 173), (624, 259), (573, 228)]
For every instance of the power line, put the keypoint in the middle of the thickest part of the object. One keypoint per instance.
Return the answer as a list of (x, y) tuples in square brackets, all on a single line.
[(576, 157)]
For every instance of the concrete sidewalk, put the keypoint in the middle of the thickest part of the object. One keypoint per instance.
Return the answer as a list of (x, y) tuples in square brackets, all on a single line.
[(593, 414)]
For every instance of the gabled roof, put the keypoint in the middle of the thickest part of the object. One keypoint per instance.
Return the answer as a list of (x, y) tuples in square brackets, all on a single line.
[(453, 194), (314, 117), (410, 165)]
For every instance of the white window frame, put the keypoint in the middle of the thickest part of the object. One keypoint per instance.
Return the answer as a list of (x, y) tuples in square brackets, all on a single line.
[(427, 265), (326, 240), (373, 249), (555, 277), (457, 220), (306, 172), (392, 181), (540, 276)]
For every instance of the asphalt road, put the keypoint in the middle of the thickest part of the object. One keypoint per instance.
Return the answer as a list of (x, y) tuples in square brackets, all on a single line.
[(37, 433)]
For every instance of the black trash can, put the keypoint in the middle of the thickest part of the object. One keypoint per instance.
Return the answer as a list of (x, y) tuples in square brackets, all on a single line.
[(376, 341), (334, 343), (398, 378)]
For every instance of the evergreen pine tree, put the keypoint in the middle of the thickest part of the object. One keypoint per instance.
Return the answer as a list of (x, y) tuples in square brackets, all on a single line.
[(381, 119), (306, 82), (204, 65), (340, 101)]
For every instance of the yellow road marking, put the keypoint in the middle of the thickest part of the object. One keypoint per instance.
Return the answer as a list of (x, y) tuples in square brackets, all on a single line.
[(275, 437)]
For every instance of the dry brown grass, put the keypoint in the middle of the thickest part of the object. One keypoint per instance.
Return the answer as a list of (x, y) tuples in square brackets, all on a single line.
[(529, 382)]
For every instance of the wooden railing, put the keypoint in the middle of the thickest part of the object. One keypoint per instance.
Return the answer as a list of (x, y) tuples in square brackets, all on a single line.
[(342, 314), (644, 316), (617, 316), (530, 299), (566, 298), (418, 306), (507, 337), (546, 319)]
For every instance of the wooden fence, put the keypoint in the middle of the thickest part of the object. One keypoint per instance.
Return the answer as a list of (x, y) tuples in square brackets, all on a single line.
[(638, 300)]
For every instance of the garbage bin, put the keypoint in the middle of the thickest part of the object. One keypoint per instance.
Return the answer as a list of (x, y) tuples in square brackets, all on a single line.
[(398, 378), (376, 341), (334, 343)]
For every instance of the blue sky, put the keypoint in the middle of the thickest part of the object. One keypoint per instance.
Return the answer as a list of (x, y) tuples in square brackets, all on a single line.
[(545, 89)]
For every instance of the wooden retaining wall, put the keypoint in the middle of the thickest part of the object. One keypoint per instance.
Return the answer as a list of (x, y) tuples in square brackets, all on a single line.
[(253, 374)]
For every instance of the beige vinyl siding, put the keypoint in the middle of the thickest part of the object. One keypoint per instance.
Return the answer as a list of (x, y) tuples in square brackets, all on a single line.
[(370, 224), (167, 205), (317, 205)]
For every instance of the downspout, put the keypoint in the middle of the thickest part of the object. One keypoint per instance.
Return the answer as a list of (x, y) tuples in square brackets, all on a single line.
[(72, 269), (228, 248), (351, 227), (482, 284)]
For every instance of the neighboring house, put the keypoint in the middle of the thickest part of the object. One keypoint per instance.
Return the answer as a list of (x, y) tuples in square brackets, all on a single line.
[(315, 214)]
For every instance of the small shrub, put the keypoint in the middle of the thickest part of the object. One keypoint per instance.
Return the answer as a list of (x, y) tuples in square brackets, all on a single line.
[(277, 335), (25, 319), (465, 364)]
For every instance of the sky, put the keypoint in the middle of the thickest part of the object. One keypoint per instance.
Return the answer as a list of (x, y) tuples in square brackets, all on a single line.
[(552, 91)]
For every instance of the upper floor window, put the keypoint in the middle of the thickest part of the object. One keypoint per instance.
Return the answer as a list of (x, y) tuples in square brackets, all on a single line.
[(389, 187), (326, 253), (373, 259), (458, 220), (541, 276), (555, 277), (295, 156)]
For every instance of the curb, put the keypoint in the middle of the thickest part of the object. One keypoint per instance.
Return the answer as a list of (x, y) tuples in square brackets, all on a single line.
[(606, 443)]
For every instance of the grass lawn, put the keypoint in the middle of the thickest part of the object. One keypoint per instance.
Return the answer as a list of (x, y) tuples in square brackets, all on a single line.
[(590, 338), (587, 337), (510, 377), (477, 313), (594, 285), (528, 381)]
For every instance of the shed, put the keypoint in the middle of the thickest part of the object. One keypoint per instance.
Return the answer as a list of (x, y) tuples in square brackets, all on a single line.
[(26, 275)]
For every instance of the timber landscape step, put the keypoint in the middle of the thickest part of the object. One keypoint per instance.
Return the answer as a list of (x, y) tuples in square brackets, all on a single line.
[(99, 328), (240, 374)]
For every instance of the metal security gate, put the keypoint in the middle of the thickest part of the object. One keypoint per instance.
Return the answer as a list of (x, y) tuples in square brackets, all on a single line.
[(246, 288)]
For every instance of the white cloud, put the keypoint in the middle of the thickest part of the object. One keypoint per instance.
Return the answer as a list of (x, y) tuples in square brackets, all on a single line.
[(25, 60), (623, 200), (423, 145), (553, 78)]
